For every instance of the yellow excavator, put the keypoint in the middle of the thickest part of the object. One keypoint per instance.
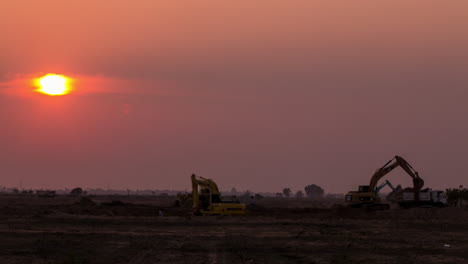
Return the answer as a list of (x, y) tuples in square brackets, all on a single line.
[(207, 199), (367, 195)]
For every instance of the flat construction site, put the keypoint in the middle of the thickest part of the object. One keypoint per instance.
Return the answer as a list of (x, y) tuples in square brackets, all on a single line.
[(130, 230)]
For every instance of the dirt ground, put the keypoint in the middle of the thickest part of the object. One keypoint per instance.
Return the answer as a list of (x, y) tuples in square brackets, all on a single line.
[(70, 230)]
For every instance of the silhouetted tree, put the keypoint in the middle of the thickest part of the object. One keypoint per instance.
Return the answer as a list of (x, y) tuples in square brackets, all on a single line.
[(77, 191), (453, 195), (287, 192), (314, 191), (299, 194), (456, 196), (258, 196)]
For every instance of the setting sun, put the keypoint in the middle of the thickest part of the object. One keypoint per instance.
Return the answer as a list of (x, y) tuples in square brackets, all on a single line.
[(52, 84)]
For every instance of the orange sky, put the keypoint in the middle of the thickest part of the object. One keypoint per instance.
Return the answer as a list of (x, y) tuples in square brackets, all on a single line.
[(258, 94)]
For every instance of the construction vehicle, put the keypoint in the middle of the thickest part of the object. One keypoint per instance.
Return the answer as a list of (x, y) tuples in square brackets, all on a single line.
[(427, 198), (367, 195), (207, 200), (386, 183)]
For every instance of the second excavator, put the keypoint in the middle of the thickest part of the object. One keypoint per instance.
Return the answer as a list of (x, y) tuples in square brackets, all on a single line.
[(207, 199), (367, 195)]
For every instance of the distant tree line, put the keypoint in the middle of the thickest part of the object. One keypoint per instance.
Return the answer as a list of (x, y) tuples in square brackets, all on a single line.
[(455, 196), (312, 191)]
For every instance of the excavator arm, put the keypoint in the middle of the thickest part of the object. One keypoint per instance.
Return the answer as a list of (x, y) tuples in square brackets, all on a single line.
[(381, 186), (418, 183)]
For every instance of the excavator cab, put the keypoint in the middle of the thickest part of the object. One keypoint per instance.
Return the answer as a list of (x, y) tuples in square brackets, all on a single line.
[(205, 199), (362, 198), (364, 188)]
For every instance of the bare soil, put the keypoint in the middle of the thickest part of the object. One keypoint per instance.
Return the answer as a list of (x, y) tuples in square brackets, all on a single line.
[(98, 230)]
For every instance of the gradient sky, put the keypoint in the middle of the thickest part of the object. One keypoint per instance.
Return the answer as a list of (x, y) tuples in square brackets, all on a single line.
[(256, 94)]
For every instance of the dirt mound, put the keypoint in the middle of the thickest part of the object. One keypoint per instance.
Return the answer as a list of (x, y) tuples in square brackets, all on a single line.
[(85, 201), (114, 203)]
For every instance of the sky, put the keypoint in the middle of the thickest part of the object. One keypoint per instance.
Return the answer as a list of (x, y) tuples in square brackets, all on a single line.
[(255, 94)]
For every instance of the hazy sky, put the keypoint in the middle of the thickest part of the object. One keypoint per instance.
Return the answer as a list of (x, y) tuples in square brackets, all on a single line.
[(256, 94)]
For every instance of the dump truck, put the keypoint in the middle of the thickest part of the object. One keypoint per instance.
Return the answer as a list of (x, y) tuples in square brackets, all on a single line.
[(427, 198)]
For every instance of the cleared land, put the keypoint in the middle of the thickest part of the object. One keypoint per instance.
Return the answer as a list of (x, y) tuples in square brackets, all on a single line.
[(70, 230)]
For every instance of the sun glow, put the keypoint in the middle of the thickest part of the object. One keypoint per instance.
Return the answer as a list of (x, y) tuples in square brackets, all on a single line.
[(54, 85)]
